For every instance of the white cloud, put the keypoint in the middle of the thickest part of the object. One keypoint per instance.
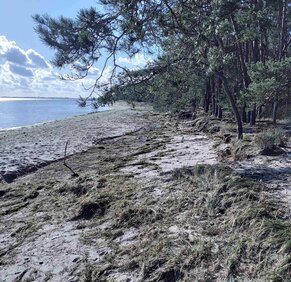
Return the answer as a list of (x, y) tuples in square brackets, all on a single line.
[(16, 56), (20, 70), (138, 60), (27, 73), (94, 71), (9, 51), (36, 60), (5, 44)]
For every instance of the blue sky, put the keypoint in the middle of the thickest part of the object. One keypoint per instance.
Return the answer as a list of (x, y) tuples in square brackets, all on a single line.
[(16, 22), (25, 68)]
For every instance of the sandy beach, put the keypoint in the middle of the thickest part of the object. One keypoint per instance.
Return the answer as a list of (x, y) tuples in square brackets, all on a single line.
[(148, 147), (24, 149), (146, 185)]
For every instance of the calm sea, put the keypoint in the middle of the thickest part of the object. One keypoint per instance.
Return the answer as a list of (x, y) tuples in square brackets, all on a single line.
[(16, 112)]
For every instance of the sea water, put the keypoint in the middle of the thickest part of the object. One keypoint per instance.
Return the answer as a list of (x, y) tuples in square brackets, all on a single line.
[(18, 112)]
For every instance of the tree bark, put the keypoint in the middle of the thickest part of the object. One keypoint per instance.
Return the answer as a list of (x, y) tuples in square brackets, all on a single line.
[(207, 96), (259, 112), (246, 76), (216, 110), (248, 116), (275, 109), (220, 113), (244, 114), (233, 104), (256, 51), (253, 115), (213, 105), (282, 30)]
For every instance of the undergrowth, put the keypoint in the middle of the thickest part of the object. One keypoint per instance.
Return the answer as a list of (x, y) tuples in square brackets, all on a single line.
[(206, 224), (270, 141)]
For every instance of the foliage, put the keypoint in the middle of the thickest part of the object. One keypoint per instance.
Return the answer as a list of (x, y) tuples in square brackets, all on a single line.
[(168, 91), (209, 51), (270, 140), (270, 80)]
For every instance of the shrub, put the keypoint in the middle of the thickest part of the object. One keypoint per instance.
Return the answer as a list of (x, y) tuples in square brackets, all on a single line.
[(270, 141)]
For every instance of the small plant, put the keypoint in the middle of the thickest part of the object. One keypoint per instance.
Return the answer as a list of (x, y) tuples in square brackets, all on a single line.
[(270, 141), (95, 105)]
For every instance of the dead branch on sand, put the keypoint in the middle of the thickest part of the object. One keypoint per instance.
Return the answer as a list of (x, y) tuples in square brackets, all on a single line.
[(74, 174)]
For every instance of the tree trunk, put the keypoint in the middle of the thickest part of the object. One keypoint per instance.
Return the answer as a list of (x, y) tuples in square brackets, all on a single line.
[(207, 96), (259, 112), (255, 51), (246, 76), (253, 115), (220, 113), (283, 30), (217, 110), (233, 105), (249, 117), (275, 109), (244, 114), (247, 50), (213, 105), (213, 93)]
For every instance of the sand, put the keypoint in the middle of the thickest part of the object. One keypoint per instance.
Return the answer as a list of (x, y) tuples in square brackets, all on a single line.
[(274, 171), (24, 149), (39, 241), (45, 236)]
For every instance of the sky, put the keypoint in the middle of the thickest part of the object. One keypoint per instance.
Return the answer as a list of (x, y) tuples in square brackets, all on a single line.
[(25, 68)]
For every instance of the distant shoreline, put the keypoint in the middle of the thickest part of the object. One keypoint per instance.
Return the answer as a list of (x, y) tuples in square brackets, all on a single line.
[(21, 112)]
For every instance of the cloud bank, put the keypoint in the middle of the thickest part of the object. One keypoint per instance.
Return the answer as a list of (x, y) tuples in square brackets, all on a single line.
[(26, 73)]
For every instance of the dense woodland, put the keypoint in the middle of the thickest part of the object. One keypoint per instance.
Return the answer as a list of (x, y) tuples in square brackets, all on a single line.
[(227, 56)]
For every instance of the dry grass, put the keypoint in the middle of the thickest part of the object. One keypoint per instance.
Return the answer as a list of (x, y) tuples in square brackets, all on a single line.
[(270, 141), (207, 225), (200, 223)]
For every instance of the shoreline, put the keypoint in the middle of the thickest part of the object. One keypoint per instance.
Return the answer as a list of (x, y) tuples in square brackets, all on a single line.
[(50, 121), (25, 149), (19, 121)]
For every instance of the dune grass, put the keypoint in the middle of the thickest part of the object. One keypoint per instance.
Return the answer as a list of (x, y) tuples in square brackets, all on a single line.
[(206, 224)]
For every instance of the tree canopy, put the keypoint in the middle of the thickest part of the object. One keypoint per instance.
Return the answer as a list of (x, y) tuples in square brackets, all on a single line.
[(232, 54)]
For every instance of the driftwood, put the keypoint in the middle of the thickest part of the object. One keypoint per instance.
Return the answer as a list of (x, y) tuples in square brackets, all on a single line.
[(74, 174)]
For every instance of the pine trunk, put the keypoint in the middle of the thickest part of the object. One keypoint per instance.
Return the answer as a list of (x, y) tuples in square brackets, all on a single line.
[(244, 114), (233, 105), (253, 115), (275, 110)]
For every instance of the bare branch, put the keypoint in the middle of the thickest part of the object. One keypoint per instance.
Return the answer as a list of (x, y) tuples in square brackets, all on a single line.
[(74, 174)]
